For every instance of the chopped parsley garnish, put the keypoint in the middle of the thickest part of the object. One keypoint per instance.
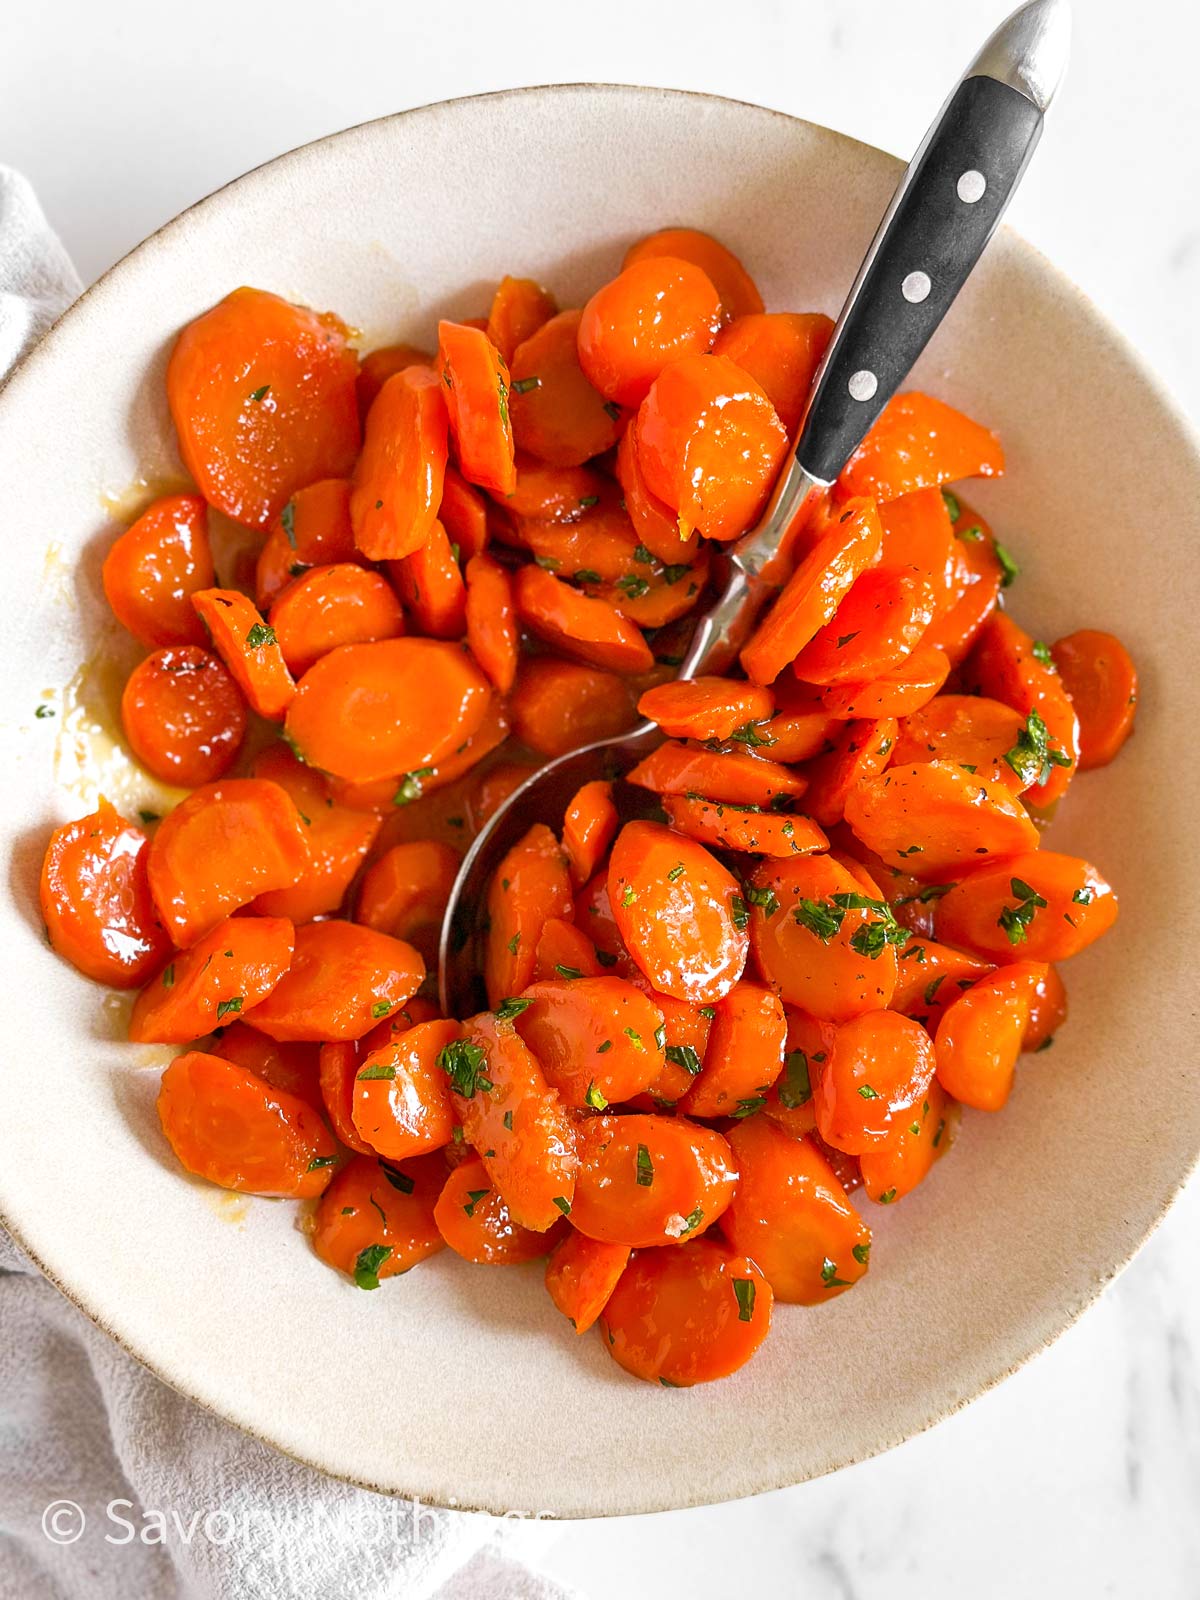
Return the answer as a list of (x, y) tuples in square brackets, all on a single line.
[(613, 410), (513, 944), (795, 1085), (635, 1038), (1032, 757), (676, 873), (886, 1198), (287, 520), (693, 1221), (510, 1008), (829, 1275), (633, 586), (411, 788), (563, 1204), (867, 1093), (260, 634), (601, 1049), (645, 1167), (765, 899), (747, 1108), (745, 1290), (474, 1196), (594, 1098), (682, 1055), (567, 972), (366, 1268), (953, 507), (861, 1253), (463, 1063), (399, 1180), (507, 1122), (382, 1070), (1015, 920), (44, 711), (1084, 896), (739, 912), (381, 1009), (820, 919), (1041, 652), (224, 1007), (524, 385), (260, 394), (629, 896), (168, 977), (1008, 567), (318, 1162)]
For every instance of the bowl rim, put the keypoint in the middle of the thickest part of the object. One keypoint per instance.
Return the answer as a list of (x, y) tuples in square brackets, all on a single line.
[(162, 237)]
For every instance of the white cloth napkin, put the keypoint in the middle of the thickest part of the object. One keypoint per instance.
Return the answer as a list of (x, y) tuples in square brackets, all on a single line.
[(174, 1503)]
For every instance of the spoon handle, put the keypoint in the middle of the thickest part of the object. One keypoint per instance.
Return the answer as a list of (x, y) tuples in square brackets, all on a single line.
[(943, 213)]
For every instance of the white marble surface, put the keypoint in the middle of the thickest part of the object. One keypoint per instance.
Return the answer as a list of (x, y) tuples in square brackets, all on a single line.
[(1079, 1477)]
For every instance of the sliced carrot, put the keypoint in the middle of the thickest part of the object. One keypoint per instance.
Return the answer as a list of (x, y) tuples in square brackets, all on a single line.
[(491, 620), (552, 493), (249, 648), (735, 776), (463, 513), (337, 1068), (398, 480), (557, 415), (183, 715), (790, 1101), (338, 839), (589, 826), (1006, 665), (1037, 905), (343, 979), (375, 1221), (895, 1168), (656, 525), (918, 533), (880, 1065), (401, 1105), (662, 596), (96, 903), (739, 297), (979, 1038), (375, 370), (587, 630), (650, 1180), (226, 973), (519, 308), (404, 893), (312, 530), (653, 312), (706, 708), (222, 846), (744, 1055), (293, 1067), (475, 1222), (228, 1126), (744, 828), (686, 1029), (581, 1274), (897, 693), (877, 625), (562, 705), (262, 394), (430, 582), (920, 443), (781, 350), (932, 976), (937, 819), (819, 941), (792, 1217), (862, 751), (514, 1119), (968, 730), (380, 710), (801, 727), (1101, 680), (598, 1040), (564, 951), (530, 885), (813, 593), (155, 567), (598, 543), (476, 380)]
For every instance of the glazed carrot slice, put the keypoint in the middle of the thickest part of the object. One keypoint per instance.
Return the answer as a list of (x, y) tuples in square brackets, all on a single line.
[(552, 493), (706, 708), (594, 914), (1037, 905), (918, 533), (790, 1100), (919, 1139), (312, 530), (375, 370), (557, 415), (475, 1222), (819, 941), (739, 297), (331, 606), (596, 544), (598, 1040), (226, 973), (401, 1105), (877, 625), (228, 1126), (589, 827), (979, 1038), (262, 395), (744, 1054), (936, 819), (968, 730), (932, 976), (519, 308), (463, 514), (781, 350), (734, 776), (655, 311), (491, 620), (898, 693), (558, 706), (587, 630), (650, 1180), (1047, 1013), (686, 1029), (880, 1065), (293, 1067), (685, 929), (1006, 665), (687, 1315), (155, 567), (813, 593), (514, 1119), (338, 839), (564, 951), (1101, 680), (404, 893), (862, 751), (375, 1221), (183, 715), (343, 979), (95, 900), (792, 1217), (920, 443), (744, 828), (656, 525), (249, 648), (398, 480), (476, 380), (379, 710), (337, 1069), (801, 727), (661, 596), (581, 1274), (709, 445), (530, 886), (430, 582), (222, 846)]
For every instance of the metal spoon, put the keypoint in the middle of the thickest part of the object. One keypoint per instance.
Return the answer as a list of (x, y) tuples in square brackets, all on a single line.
[(940, 219)]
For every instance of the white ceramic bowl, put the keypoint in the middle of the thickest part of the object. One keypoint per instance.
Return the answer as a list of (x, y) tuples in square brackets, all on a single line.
[(463, 1385)]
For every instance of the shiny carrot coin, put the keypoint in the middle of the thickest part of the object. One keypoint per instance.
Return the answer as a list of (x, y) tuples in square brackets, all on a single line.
[(331, 606), (1099, 676), (183, 715), (895, 1168), (155, 567), (743, 1057), (879, 1066), (557, 415), (598, 1040), (401, 1105), (249, 648), (398, 480), (650, 1180), (655, 311), (404, 892), (781, 350), (519, 308), (979, 1038), (475, 1222), (721, 267), (343, 979), (1038, 905), (589, 827), (491, 620), (587, 630), (530, 885), (312, 530), (581, 1274), (744, 828), (376, 1221), (225, 974), (476, 382), (920, 443), (560, 705), (937, 820)]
